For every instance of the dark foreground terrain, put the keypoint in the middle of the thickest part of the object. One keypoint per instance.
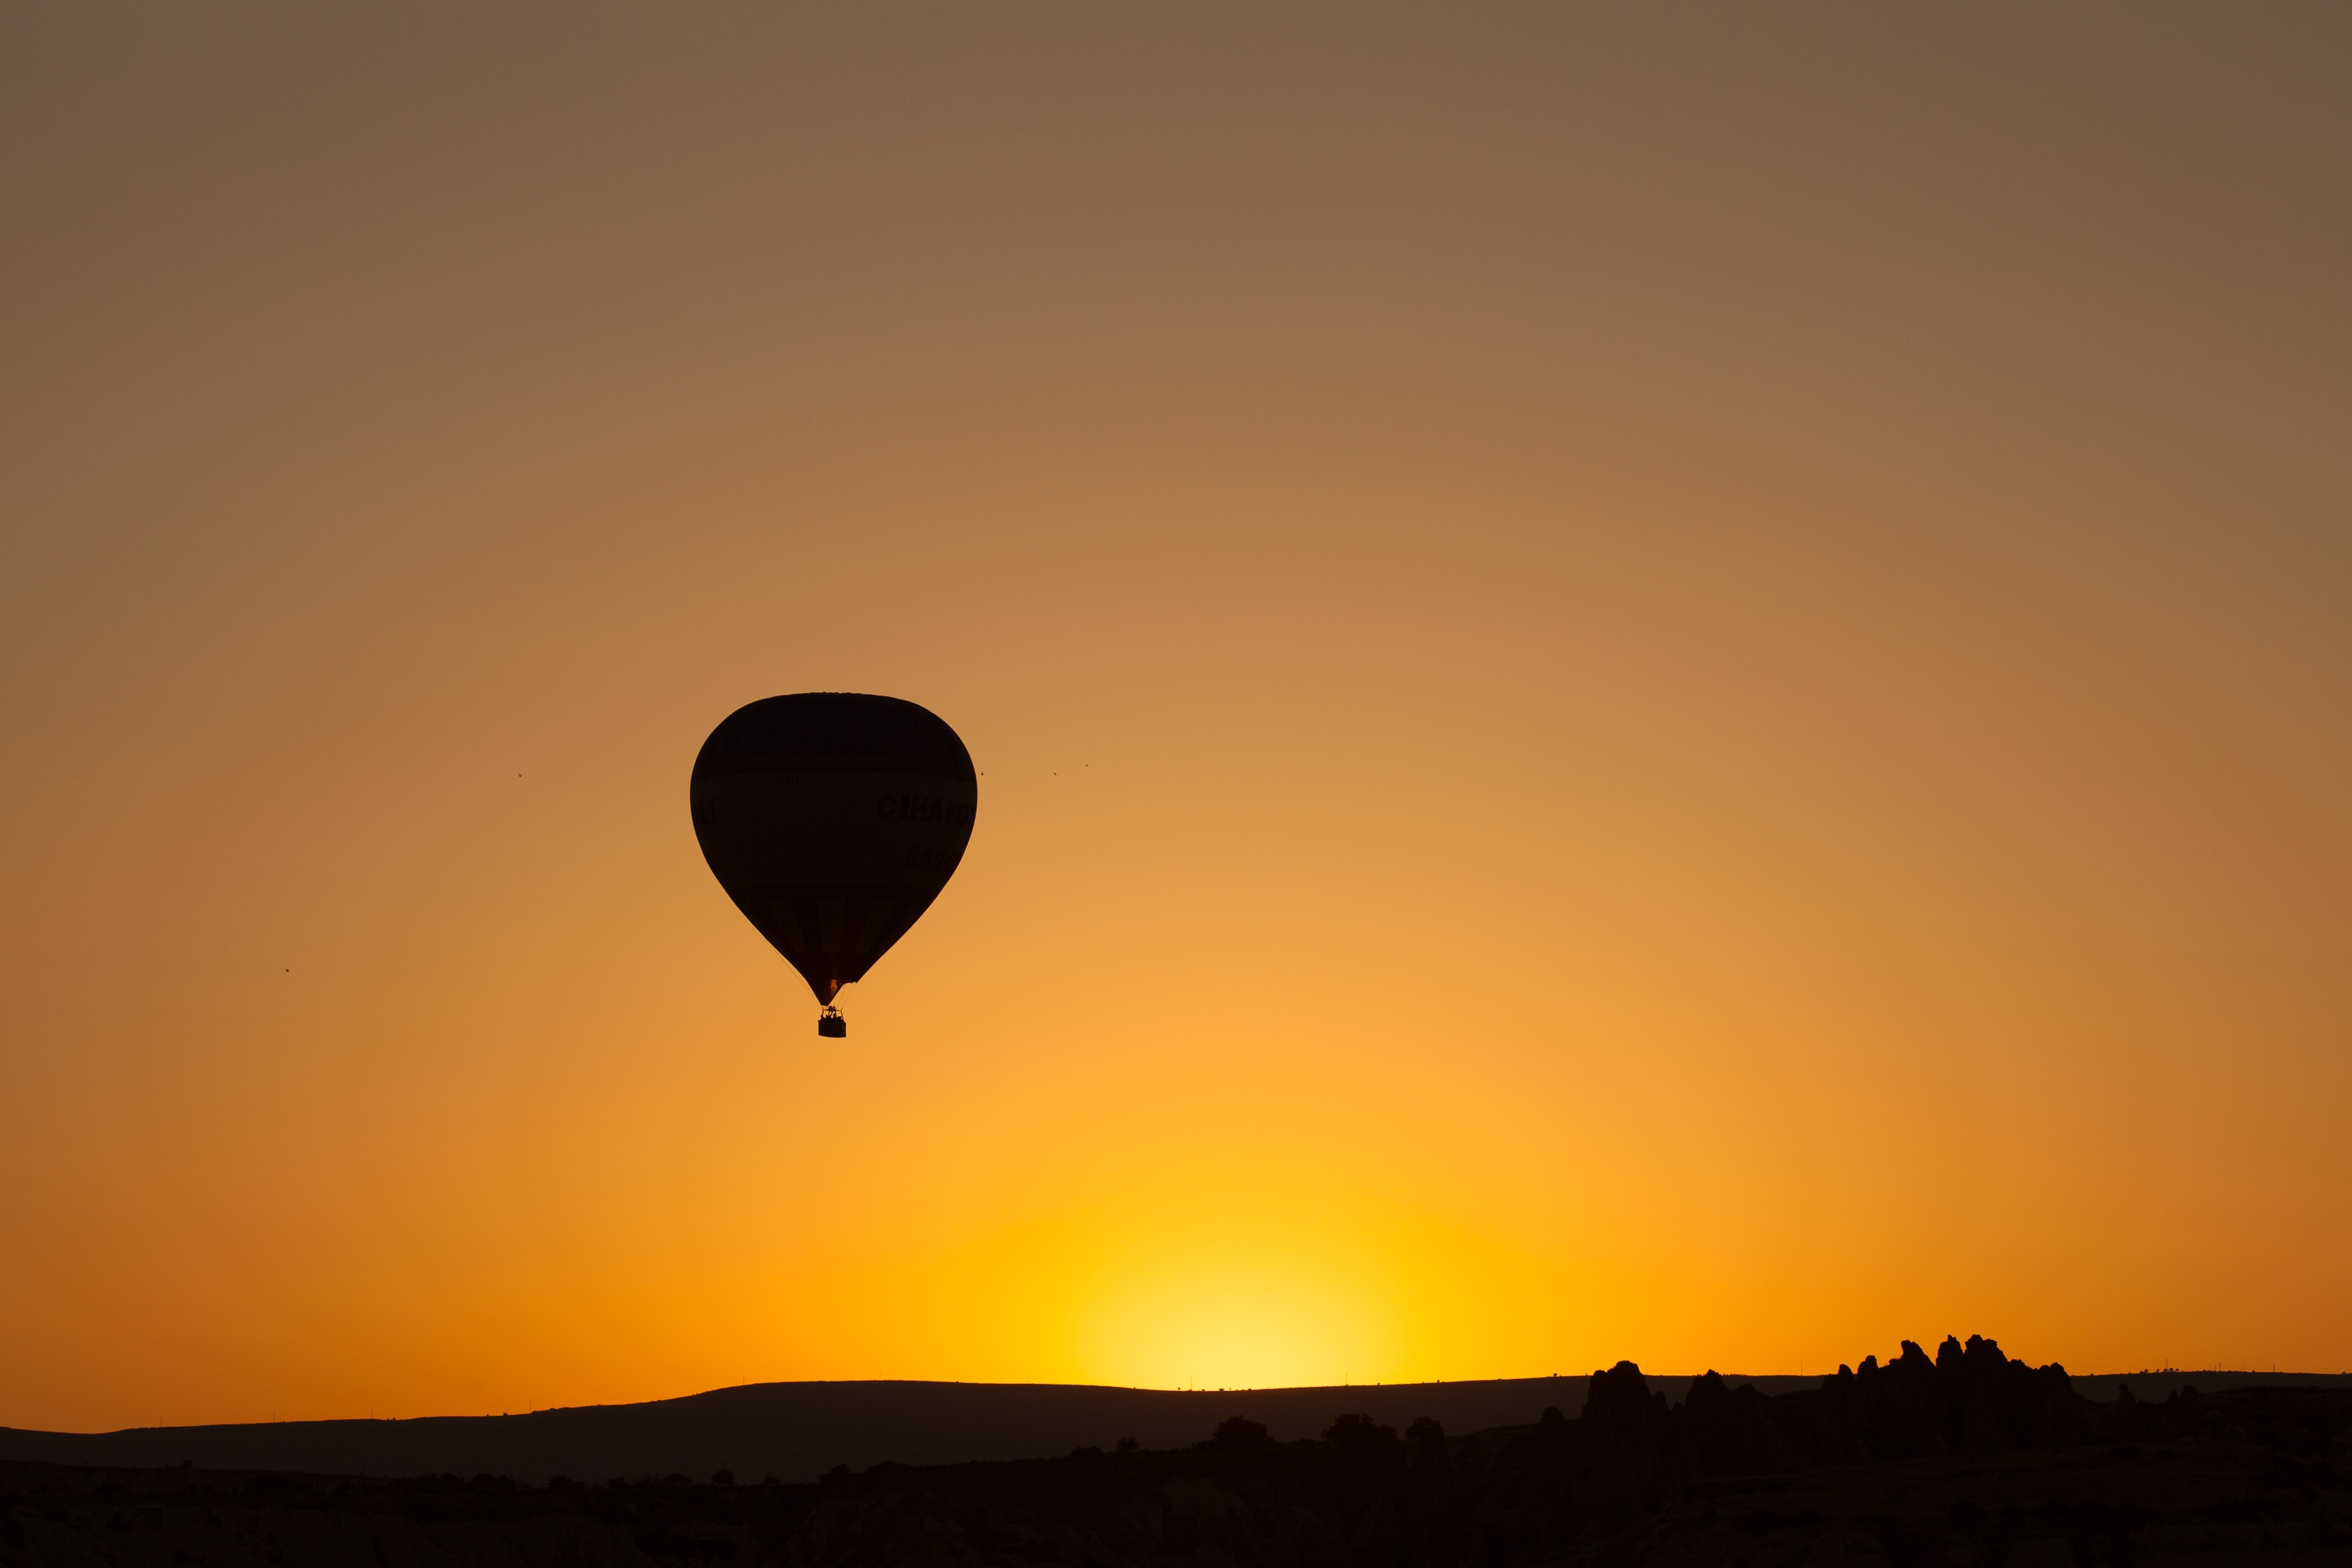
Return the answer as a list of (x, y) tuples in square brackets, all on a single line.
[(1963, 1459)]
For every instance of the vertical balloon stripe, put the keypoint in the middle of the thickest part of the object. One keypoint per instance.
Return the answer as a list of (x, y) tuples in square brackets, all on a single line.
[(828, 937), (875, 918)]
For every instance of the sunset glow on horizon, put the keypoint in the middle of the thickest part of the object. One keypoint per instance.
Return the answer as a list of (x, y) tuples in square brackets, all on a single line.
[(1672, 686)]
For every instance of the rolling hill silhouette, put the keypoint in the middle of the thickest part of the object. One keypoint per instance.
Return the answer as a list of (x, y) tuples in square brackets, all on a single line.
[(1962, 1456), (798, 1431)]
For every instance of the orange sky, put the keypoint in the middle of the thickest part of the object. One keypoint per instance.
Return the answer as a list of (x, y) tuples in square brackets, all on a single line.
[(1657, 683)]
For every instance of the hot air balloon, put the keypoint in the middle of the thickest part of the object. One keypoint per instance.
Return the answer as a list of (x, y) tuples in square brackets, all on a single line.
[(832, 820)]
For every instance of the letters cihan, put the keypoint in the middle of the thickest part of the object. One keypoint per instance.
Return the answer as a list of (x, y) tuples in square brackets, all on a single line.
[(924, 808)]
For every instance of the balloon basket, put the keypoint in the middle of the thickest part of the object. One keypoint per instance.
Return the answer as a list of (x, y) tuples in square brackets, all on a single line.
[(832, 1026)]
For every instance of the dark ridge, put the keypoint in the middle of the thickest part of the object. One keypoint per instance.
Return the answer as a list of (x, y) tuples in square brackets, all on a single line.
[(1966, 1456), (796, 1431), (799, 1431)]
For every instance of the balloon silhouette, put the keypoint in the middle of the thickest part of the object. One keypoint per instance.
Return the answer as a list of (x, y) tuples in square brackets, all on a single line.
[(832, 820)]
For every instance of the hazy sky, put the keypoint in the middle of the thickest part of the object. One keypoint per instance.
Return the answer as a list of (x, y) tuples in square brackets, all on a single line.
[(1657, 682)]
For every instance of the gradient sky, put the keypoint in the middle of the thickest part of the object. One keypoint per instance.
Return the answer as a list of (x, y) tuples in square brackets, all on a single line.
[(1655, 682)]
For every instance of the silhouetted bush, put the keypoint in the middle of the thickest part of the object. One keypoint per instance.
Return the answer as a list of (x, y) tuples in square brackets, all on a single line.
[(722, 1477), (1358, 1429)]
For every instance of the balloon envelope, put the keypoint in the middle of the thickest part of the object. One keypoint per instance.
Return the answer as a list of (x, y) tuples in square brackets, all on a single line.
[(832, 820)]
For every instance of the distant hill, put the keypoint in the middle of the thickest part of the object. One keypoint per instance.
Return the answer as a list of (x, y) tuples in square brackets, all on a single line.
[(2104, 1387), (1963, 1457), (796, 1432)]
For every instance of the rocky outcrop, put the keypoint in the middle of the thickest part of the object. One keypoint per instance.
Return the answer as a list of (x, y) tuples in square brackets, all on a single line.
[(1969, 1399)]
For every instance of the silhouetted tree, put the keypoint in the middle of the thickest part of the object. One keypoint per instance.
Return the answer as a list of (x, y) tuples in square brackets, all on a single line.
[(1241, 1432)]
